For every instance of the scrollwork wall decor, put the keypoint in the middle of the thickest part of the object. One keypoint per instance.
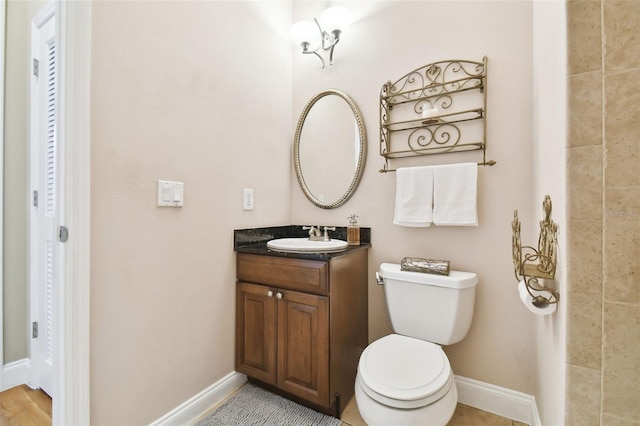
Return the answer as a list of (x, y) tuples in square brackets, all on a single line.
[(435, 109), (531, 264)]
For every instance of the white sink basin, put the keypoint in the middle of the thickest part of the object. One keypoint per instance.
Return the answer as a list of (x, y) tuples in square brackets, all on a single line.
[(304, 245)]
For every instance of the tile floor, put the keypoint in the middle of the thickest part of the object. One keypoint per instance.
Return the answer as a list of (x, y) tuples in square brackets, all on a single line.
[(464, 416)]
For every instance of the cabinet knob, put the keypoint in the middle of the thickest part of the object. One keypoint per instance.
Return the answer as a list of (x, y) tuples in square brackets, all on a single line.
[(279, 295), (270, 293)]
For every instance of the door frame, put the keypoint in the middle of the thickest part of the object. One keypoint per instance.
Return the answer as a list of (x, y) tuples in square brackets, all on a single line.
[(72, 372), (3, 29)]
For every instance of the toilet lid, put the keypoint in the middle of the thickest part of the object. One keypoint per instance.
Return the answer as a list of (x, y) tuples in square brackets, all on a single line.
[(404, 372)]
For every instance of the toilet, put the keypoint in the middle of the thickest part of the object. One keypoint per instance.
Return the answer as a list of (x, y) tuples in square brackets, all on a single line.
[(405, 378)]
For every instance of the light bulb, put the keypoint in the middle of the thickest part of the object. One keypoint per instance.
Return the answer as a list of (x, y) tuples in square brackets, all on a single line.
[(335, 18), (306, 32)]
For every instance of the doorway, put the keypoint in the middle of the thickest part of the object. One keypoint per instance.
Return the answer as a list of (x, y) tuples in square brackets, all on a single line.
[(71, 318)]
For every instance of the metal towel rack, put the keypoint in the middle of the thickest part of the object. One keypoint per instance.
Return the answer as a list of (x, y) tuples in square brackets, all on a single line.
[(385, 168), (439, 108)]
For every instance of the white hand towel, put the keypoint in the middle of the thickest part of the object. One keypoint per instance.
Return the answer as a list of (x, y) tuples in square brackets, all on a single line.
[(455, 194), (414, 196)]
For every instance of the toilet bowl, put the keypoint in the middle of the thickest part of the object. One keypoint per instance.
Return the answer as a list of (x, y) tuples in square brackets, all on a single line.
[(405, 381)]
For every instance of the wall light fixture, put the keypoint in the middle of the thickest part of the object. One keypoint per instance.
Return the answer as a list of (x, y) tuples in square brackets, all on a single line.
[(325, 34)]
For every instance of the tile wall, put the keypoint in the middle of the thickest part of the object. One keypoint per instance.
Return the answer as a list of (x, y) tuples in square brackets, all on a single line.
[(603, 178)]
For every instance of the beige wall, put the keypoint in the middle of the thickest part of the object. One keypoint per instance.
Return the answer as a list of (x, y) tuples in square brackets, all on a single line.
[(16, 190), (16, 219), (603, 326), (197, 92), (172, 99), (388, 40)]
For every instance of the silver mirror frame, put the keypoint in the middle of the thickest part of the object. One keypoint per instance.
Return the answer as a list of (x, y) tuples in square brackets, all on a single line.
[(362, 155)]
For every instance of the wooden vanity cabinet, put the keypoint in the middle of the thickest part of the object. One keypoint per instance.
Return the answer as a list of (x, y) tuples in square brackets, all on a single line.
[(302, 325)]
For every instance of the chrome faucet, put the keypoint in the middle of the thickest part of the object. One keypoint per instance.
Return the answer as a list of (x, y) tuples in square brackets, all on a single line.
[(326, 234), (314, 233)]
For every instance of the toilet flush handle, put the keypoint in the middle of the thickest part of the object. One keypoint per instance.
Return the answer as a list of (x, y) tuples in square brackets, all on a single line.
[(379, 279)]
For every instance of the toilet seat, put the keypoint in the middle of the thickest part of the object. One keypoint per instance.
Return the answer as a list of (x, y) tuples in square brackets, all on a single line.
[(404, 372)]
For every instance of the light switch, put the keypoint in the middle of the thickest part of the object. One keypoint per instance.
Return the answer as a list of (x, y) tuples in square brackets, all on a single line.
[(247, 199), (178, 192), (170, 194), (167, 194)]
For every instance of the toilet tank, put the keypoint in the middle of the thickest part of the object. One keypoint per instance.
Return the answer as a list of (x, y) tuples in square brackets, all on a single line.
[(435, 308)]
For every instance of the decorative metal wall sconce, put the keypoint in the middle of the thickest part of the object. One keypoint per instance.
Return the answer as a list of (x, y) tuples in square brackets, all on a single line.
[(311, 36), (532, 264)]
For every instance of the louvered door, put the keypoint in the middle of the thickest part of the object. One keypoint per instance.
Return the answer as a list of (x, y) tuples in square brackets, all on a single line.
[(43, 177)]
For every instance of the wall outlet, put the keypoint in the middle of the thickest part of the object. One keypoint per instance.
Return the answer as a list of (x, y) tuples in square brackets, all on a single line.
[(247, 199)]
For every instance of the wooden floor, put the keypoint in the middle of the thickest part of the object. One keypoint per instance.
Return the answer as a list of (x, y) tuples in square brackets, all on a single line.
[(23, 406)]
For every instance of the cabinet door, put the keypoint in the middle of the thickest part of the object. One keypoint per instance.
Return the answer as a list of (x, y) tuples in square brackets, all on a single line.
[(256, 332), (303, 345)]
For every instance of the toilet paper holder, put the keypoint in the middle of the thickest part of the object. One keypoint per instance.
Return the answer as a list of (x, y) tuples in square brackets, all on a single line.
[(530, 264)]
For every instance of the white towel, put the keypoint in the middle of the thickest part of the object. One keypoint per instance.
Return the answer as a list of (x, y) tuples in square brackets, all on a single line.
[(414, 196), (455, 194)]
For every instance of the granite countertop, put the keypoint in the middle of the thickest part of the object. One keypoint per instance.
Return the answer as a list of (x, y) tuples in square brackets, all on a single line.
[(254, 241)]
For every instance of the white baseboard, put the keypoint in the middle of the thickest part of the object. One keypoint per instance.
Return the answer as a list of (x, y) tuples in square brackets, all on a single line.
[(484, 396), (193, 408), (15, 373), (498, 400)]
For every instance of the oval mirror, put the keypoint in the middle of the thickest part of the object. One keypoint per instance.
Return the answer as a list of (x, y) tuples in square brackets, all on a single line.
[(329, 148)]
